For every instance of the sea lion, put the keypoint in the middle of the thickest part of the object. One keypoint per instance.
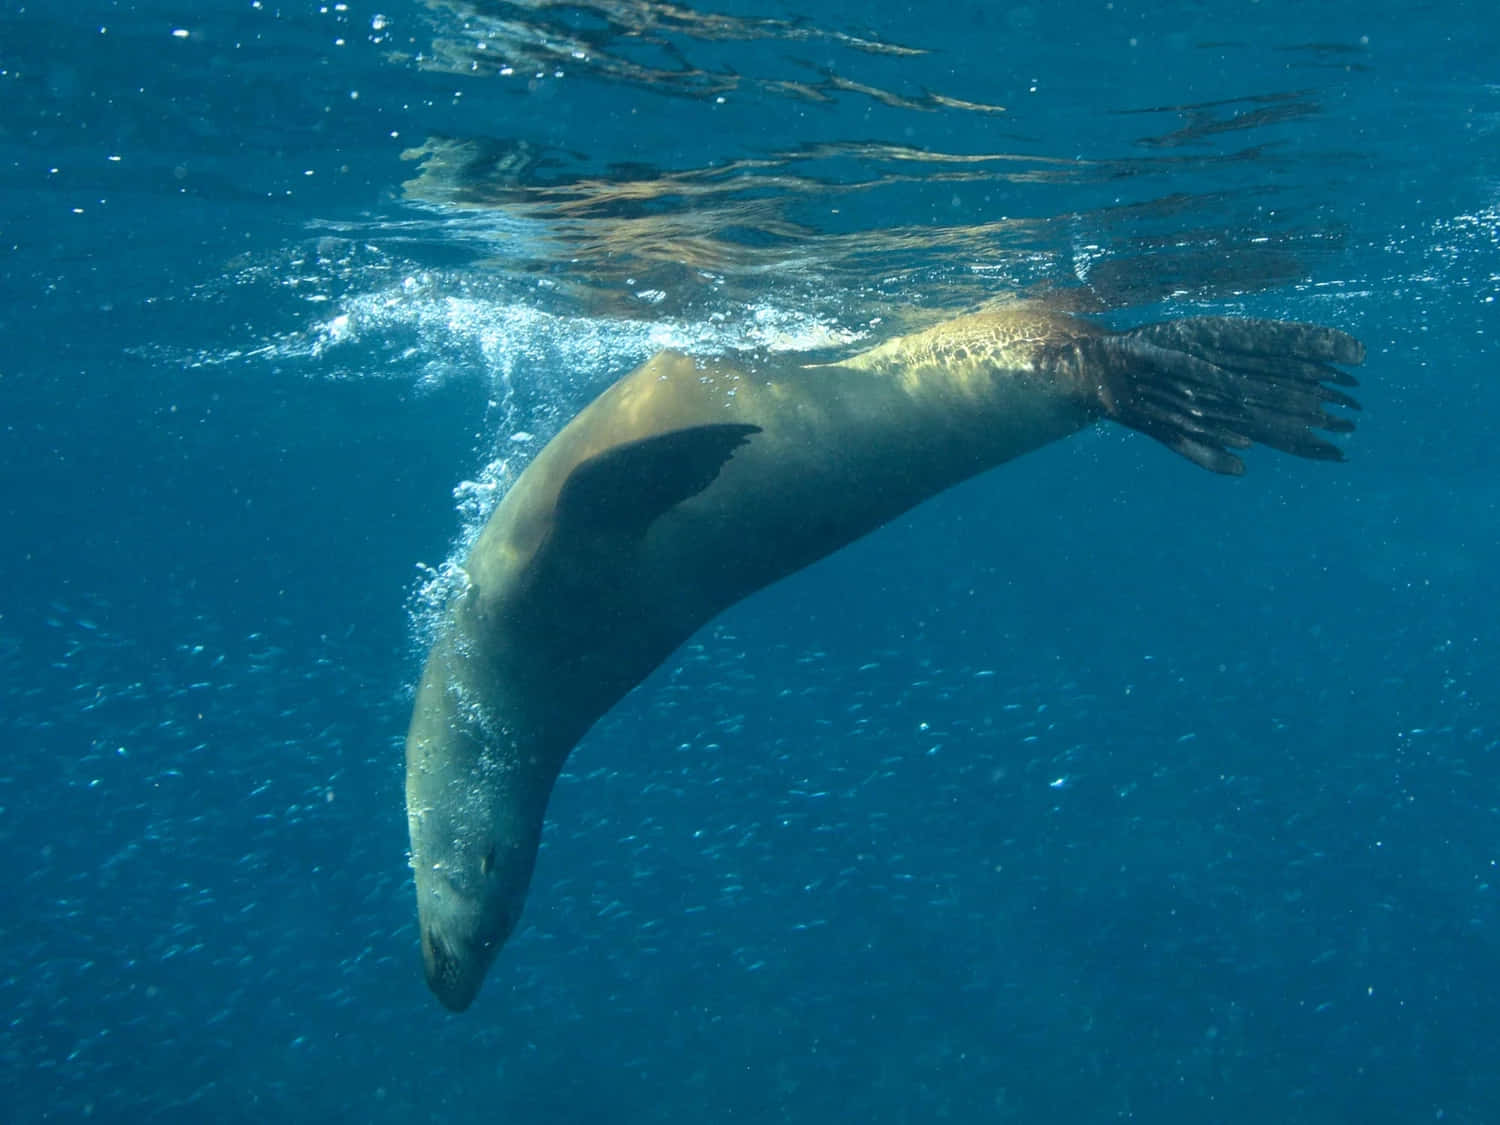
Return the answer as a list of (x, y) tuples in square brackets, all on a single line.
[(691, 483)]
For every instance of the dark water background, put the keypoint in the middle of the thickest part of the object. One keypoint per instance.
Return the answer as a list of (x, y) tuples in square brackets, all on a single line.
[(1098, 789)]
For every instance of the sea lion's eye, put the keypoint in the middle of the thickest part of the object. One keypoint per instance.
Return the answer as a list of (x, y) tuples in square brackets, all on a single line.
[(487, 864)]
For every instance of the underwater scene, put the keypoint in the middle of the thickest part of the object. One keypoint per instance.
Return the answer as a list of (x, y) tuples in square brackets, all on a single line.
[(908, 785)]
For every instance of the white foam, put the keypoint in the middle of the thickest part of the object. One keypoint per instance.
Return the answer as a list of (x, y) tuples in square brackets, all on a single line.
[(537, 362)]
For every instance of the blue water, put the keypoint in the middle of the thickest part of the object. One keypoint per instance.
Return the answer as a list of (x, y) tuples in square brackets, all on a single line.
[(1098, 789)]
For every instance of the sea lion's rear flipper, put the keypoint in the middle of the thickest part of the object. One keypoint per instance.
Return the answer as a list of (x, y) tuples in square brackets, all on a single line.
[(622, 490), (1205, 385)]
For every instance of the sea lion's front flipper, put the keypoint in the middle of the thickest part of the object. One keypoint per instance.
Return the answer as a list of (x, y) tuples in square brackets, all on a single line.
[(1204, 385), (622, 490)]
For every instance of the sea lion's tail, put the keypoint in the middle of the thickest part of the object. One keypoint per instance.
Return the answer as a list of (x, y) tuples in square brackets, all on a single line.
[(1205, 385)]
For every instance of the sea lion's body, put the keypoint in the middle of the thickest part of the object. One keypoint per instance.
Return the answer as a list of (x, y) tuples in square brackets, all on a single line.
[(691, 483)]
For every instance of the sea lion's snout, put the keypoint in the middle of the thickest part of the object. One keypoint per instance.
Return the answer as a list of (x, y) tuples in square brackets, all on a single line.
[(453, 977)]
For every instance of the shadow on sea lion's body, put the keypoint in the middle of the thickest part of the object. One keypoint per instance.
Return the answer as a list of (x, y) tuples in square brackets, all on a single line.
[(690, 483)]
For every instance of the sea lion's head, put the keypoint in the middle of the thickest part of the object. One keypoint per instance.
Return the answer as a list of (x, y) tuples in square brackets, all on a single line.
[(467, 906), (475, 801)]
